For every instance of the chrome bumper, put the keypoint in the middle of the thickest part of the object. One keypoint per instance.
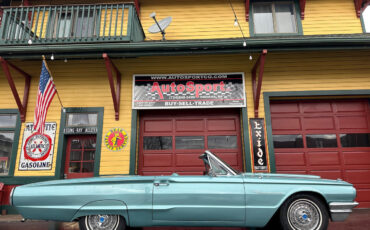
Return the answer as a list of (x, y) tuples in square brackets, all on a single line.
[(340, 210)]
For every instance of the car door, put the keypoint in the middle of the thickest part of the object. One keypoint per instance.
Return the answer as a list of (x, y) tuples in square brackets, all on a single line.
[(198, 200)]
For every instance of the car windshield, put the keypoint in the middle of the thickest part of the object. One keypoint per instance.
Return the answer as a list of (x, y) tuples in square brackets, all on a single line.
[(215, 166)]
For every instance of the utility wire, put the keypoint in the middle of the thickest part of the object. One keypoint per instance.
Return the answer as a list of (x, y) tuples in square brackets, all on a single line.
[(236, 18)]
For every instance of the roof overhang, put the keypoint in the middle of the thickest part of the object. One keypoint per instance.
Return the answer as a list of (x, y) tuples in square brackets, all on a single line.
[(184, 47)]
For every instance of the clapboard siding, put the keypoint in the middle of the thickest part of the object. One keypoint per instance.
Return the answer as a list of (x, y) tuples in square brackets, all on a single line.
[(84, 83), (330, 17)]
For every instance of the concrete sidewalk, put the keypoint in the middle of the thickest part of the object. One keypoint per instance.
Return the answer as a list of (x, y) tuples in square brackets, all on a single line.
[(358, 220)]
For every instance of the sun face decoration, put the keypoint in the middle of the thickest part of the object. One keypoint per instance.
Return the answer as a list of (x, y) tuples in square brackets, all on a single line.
[(116, 139)]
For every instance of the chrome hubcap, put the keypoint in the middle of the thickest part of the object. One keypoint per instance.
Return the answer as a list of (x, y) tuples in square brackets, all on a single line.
[(303, 214), (102, 222)]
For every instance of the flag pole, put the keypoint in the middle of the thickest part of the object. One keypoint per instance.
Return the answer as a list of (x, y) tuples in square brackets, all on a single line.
[(51, 76)]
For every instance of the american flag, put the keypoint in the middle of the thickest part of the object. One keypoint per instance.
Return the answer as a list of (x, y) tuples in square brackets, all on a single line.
[(45, 95)]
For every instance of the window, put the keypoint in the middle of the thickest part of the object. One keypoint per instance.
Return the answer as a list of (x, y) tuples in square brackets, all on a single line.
[(366, 19), (189, 142), (355, 140), (288, 141), (8, 123), (222, 142), (157, 143), (274, 18), (73, 24), (321, 141), (82, 119)]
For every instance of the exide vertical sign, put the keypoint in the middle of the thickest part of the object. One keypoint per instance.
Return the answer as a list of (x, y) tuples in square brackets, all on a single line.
[(258, 144), (189, 91)]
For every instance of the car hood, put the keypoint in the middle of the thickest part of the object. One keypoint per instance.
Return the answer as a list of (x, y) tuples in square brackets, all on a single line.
[(291, 178)]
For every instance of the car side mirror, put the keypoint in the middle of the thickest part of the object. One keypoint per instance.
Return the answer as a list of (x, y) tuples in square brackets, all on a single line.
[(211, 173)]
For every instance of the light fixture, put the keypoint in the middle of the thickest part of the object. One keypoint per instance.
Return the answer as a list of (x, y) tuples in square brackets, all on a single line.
[(244, 43), (29, 42), (235, 22), (52, 57), (65, 60), (250, 57)]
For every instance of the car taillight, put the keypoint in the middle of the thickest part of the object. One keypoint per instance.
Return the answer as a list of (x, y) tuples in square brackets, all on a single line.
[(11, 196)]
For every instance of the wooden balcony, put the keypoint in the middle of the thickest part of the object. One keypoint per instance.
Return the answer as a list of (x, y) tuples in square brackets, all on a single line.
[(70, 24)]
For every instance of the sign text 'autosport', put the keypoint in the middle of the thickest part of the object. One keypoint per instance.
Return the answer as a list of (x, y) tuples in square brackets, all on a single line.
[(188, 91)]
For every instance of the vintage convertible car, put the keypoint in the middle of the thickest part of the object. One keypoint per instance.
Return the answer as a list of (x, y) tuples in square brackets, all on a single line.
[(221, 197)]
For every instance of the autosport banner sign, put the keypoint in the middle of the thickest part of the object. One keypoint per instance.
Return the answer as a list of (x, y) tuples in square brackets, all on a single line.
[(37, 149), (188, 91)]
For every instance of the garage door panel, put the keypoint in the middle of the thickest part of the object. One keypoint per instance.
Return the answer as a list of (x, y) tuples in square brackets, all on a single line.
[(286, 123), (292, 171), (172, 140), (323, 158), (362, 195), (292, 107), (358, 176), (188, 159), (357, 158), (319, 123), (345, 154), (313, 107), (351, 106), (327, 174), (155, 173), (191, 125), (284, 159), (222, 124), (158, 160), (157, 126), (353, 122)]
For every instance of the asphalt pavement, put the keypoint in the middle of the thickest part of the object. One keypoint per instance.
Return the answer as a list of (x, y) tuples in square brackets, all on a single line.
[(358, 220)]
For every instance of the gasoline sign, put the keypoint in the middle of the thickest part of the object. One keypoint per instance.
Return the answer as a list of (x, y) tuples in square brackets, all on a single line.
[(37, 149)]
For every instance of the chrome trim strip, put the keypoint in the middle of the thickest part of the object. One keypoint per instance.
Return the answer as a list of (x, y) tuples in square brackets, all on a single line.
[(340, 210), (11, 196)]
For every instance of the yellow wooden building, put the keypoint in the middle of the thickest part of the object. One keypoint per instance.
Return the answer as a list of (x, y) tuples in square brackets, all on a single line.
[(299, 68)]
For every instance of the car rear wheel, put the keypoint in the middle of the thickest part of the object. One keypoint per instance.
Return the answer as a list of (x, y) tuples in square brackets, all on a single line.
[(102, 222), (303, 212)]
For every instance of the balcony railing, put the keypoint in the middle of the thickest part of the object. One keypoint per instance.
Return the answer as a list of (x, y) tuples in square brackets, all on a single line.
[(70, 24)]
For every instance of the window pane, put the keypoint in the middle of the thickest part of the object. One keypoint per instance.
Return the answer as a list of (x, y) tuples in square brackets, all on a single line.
[(6, 145), (82, 119), (75, 156), (65, 25), (288, 141), (89, 155), (8, 120), (262, 18), (84, 24), (74, 167), (190, 142), (90, 143), (222, 142), (157, 143), (355, 140), (88, 167), (366, 18), (76, 144), (321, 140), (285, 19)]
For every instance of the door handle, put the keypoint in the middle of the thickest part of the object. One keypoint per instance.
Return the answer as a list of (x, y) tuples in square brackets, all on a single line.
[(161, 184)]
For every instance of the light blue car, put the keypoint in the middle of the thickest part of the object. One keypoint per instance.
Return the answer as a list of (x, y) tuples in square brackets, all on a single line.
[(221, 197)]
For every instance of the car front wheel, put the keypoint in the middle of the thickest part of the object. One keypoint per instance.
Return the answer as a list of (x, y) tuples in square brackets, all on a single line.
[(303, 212), (102, 222)]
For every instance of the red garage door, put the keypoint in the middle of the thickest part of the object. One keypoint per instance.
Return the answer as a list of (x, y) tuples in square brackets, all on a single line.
[(171, 140), (330, 138)]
